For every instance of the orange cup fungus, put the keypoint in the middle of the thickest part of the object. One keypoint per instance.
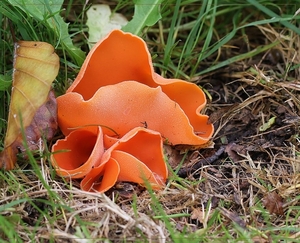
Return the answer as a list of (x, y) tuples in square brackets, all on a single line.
[(117, 114)]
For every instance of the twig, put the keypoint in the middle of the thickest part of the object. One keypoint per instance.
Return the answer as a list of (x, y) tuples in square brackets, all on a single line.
[(12, 31), (183, 172)]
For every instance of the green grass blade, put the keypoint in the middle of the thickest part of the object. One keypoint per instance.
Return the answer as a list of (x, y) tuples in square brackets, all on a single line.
[(274, 16), (239, 58), (171, 39)]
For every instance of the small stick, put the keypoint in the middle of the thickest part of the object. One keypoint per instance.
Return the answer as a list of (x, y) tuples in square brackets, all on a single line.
[(12, 31), (183, 172)]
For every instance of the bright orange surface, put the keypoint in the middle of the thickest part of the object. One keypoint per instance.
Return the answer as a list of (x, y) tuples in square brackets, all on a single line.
[(117, 113)]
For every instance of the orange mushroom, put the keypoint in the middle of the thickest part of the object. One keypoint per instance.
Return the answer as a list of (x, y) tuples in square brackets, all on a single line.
[(83, 154), (117, 112), (124, 57), (126, 105)]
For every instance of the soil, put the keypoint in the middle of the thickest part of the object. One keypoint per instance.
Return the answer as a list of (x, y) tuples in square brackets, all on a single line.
[(253, 157)]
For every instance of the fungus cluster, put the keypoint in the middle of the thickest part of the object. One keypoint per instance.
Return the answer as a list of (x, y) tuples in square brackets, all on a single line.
[(118, 113)]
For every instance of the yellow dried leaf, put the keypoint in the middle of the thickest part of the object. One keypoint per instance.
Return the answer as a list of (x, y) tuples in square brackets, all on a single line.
[(35, 68)]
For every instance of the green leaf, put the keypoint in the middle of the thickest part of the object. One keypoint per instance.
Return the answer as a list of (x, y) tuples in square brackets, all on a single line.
[(48, 13), (267, 125), (146, 13)]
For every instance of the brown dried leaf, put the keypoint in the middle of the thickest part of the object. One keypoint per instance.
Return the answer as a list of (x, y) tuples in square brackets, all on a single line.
[(232, 150), (43, 125), (259, 239), (198, 214), (273, 203), (233, 216), (173, 155), (35, 67)]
